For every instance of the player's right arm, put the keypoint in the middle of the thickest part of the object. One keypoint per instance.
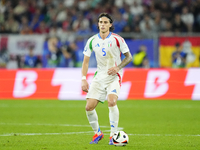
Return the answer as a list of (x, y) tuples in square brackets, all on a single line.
[(84, 84), (87, 53)]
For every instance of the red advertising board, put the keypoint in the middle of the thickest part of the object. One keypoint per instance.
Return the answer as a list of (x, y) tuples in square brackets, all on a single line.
[(65, 84)]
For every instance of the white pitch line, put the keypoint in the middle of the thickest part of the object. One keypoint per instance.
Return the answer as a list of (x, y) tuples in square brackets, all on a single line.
[(27, 134), (41, 124), (164, 134), (89, 132)]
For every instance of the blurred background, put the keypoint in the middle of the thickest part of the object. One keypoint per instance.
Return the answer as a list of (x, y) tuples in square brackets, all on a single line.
[(41, 54), (52, 33)]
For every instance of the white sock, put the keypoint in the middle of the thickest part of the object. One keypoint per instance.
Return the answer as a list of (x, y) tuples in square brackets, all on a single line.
[(114, 119), (93, 120)]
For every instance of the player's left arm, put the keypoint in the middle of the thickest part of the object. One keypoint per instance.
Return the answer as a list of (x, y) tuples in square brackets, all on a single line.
[(125, 61)]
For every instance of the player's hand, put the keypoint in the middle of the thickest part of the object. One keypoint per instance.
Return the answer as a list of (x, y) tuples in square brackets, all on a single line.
[(112, 71), (85, 86)]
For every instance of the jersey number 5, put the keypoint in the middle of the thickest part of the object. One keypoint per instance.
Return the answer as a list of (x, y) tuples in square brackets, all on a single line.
[(104, 52)]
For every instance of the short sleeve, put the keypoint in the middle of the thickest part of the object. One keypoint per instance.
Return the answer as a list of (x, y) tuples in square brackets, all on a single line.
[(87, 50), (123, 46)]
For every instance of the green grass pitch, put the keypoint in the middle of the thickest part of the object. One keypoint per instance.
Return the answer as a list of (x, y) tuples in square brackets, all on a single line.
[(63, 125)]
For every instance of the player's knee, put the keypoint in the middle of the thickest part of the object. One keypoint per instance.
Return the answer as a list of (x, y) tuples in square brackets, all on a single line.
[(111, 103), (88, 108), (91, 104), (112, 100)]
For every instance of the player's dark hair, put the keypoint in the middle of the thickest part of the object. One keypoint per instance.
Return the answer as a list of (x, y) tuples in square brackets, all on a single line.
[(110, 19)]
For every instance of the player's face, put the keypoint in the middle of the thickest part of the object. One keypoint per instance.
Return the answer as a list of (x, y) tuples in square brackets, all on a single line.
[(104, 24)]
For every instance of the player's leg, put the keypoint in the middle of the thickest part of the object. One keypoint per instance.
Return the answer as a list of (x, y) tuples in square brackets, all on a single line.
[(95, 94), (113, 114), (91, 113), (113, 93), (93, 119)]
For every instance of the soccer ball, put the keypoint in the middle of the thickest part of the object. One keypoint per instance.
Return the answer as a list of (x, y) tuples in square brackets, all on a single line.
[(120, 138)]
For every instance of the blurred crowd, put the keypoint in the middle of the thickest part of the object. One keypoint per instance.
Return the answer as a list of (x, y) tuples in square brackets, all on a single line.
[(57, 16), (61, 20)]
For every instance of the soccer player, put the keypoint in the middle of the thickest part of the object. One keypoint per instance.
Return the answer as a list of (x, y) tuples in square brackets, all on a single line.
[(107, 79)]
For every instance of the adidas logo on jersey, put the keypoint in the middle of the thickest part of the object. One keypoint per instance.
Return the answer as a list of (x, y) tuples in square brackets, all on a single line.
[(114, 91), (97, 45)]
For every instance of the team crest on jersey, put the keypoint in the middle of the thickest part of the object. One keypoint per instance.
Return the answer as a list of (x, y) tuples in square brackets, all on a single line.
[(109, 43)]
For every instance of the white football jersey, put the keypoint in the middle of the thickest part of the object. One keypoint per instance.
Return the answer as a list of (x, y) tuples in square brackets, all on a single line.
[(107, 51)]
